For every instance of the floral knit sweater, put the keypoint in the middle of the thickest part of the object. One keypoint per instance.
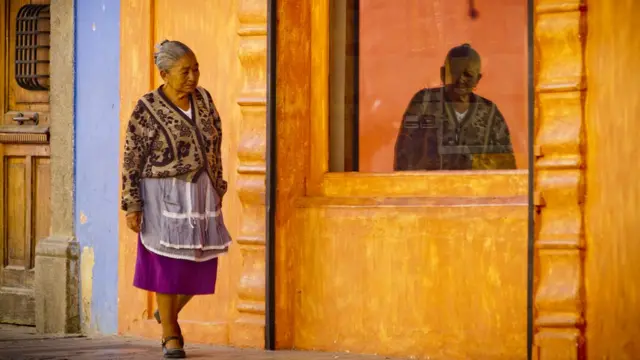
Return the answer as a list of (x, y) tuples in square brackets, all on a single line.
[(162, 141)]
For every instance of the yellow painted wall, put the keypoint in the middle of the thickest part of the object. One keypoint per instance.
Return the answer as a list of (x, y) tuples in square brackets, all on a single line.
[(613, 181), (426, 278)]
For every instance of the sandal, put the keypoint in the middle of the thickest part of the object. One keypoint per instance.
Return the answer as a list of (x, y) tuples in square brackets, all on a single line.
[(156, 315), (173, 353)]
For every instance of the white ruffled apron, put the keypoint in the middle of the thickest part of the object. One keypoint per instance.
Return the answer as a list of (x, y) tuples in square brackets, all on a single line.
[(183, 220)]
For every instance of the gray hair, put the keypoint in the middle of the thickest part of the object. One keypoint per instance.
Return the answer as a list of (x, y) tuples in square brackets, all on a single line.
[(168, 52)]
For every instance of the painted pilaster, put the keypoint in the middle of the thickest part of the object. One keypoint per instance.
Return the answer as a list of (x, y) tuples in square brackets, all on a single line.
[(248, 328), (57, 262), (560, 30)]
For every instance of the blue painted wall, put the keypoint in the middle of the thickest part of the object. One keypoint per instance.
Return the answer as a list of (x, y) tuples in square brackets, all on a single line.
[(97, 149)]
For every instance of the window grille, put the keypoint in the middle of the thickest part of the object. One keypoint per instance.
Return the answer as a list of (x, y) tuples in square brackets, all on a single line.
[(32, 47)]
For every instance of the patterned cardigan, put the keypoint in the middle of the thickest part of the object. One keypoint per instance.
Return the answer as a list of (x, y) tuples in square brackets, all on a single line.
[(431, 138), (161, 141)]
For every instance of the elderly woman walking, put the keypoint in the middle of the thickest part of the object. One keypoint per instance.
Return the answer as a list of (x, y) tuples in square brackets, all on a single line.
[(172, 190)]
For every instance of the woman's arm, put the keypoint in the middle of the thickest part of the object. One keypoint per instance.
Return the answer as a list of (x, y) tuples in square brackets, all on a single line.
[(136, 146), (220, 183)]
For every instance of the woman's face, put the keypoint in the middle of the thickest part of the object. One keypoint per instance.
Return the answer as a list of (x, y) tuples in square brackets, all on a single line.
[(184, 75)]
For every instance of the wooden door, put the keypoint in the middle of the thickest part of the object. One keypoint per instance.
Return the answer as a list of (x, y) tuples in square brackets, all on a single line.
[(210, 29), (24, 165)]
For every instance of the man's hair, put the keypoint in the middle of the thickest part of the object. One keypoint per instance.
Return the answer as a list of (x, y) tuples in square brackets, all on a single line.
[(463, 51)]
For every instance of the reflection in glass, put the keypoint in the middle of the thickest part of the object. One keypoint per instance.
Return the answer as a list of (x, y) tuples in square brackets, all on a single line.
[(428, 85), (450, 127)]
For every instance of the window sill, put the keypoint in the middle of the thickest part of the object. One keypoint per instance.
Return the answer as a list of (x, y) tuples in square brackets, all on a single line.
[(506, 183)]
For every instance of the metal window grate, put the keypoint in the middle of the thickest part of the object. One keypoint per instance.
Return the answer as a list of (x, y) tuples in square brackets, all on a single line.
[(32, 47)]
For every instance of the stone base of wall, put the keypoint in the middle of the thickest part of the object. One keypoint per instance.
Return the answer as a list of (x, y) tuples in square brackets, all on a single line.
[(57, 281)]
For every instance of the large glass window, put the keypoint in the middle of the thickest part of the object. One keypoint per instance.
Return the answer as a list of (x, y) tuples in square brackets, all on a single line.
[(428, 85)]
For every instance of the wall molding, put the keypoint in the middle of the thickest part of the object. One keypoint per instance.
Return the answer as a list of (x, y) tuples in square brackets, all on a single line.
[(560, 89), (248, 328)]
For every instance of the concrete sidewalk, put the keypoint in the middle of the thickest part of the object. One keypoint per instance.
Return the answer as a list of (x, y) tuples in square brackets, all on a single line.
[(22, 343)]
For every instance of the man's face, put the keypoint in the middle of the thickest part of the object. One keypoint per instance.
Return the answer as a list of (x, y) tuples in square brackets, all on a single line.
[(461, 75)]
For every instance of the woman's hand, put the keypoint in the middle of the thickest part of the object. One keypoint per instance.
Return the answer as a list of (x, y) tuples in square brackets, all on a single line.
[(134, 220)]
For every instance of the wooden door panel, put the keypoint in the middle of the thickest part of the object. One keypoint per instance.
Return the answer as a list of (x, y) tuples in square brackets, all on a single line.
[(15, 174), (25, 219), (17, 277), (21, 99)]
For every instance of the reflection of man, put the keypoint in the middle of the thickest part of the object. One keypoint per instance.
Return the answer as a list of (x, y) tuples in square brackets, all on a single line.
[(451, 128)]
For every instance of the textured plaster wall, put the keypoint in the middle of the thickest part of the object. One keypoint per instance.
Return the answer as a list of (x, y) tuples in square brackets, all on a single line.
[(56, 265), (613, 189), (96, 149), (62, 117)]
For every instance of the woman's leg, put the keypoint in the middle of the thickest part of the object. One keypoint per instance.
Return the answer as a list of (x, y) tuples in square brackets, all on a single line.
[(182, 301), (168, 306)]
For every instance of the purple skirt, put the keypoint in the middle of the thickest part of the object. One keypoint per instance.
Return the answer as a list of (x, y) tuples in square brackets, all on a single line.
[(166, 275)]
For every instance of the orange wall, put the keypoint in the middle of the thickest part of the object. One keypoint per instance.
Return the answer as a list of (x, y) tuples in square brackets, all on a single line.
[(613, 181), (432, 279), (403, 44)]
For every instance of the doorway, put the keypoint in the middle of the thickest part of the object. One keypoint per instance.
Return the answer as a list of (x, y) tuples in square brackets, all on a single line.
[(25, 191)]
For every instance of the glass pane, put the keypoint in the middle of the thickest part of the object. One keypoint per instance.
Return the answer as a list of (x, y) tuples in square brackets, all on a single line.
[(428, 85)]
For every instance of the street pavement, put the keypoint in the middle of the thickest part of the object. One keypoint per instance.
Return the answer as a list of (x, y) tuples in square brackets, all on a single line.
[(23, 343)]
